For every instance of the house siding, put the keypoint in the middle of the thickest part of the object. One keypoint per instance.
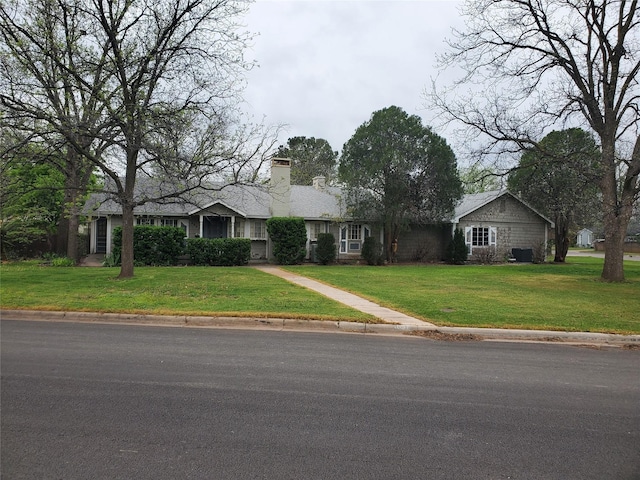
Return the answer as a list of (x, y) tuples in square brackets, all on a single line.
[(424, 243), (517, 226)]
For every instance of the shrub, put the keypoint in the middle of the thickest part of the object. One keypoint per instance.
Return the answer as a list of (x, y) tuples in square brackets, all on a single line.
[(326, 248), (111, 260), (289, 237), (62, 262), (23, 236), (152, 245), (485, 255), (457, 249), (372, 251), (219, 251)]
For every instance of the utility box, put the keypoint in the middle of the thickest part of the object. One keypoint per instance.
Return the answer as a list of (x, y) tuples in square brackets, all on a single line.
[(522, 255)]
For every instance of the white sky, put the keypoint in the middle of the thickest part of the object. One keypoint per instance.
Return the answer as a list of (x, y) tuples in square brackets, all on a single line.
[(325, 66)]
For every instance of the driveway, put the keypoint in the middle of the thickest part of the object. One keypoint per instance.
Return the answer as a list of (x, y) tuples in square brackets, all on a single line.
[(581, 253)]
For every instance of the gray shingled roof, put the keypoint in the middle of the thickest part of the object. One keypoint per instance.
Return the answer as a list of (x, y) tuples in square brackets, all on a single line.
[(473, 201), (250, 201), (253, 201), (313, 204)]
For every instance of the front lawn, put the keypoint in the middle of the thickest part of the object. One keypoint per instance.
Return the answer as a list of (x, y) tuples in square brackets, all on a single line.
[(211, 291), (557, 297), (567, 297)]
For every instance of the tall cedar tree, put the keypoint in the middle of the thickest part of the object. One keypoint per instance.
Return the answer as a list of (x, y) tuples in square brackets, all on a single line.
[(398, 171), (311, 157)]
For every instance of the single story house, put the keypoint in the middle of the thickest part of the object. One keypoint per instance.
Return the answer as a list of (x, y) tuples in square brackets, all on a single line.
[(239, 211), (492, 219), (584, 238)]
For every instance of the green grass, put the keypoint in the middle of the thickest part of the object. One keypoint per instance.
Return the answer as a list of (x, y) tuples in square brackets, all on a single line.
[(567, 297), (228, 291)]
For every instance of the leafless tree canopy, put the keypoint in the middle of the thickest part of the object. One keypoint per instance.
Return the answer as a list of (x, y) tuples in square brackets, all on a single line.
[(531, 66), (134, 88)]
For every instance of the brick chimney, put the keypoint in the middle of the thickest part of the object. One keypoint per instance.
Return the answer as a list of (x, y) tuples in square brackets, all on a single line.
[(280, 187), (320, 183)]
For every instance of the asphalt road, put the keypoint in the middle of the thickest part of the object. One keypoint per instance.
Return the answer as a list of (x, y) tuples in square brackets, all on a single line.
[(88, 401)]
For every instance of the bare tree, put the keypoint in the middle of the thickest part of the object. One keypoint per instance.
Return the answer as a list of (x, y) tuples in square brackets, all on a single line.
[(159, 82), (534, 65)]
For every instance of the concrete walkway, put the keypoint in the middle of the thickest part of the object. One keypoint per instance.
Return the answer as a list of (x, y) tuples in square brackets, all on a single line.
[(346, 298), (92, 260)]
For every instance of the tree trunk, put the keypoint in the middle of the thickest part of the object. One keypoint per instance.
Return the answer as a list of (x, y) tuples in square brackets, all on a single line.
[(615, 231), (72, 239), (127, 201), (387, 243), (62, 234), (617, 208), (562, 239), (126, 257), (78, 174)]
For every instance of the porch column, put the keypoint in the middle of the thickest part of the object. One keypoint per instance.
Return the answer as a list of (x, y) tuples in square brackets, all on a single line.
[(92, 234), (233, 226), (201, 227), (109, 232)]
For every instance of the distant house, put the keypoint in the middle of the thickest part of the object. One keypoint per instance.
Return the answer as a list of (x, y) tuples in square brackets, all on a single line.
[(492, 219), (584, 238)]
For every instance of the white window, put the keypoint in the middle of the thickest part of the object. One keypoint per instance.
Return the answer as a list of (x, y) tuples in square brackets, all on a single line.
[(316, 229), (480, 237), (258, 229), (355, 232), (145, 221), (239, 229), (168, 222), (352, 236)]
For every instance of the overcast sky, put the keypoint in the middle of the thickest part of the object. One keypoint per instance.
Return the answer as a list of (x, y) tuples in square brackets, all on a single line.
[(325, 66)]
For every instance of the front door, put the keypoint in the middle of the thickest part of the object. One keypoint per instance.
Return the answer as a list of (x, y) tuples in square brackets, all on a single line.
[(214, 227), (101, 235)]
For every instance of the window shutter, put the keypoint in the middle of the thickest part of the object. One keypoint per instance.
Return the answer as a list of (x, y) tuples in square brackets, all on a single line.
[(468, 232)]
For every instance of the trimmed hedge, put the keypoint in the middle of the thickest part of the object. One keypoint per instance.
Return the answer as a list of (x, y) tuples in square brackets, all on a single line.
[(289, 237), (372, 251), (326, 248), (156, 246), (219, 251)]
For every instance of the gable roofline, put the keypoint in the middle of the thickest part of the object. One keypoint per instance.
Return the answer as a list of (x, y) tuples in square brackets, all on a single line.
[(216, 202), (470, 204)]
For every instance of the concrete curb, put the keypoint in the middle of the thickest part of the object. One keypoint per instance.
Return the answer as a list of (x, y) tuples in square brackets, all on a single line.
[(285, 324)]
